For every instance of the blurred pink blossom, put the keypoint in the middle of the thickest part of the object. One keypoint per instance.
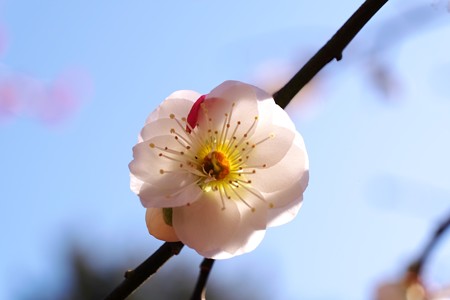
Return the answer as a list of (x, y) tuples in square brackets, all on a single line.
[(10, 104), (50, 103), (57, 101)]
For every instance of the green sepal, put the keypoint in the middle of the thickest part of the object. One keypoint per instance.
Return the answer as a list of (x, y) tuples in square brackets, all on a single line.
[(167, 215)]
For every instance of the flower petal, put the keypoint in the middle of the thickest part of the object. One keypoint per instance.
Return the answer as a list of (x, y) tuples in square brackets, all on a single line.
[(252, 226), (285, 203), (204, 225), (232, 98), (274, 114), (149, 160), (291, 167), (281, 215), (253, 241), (155, 196), (160, 180), (157, 226), (163, 126), (135, 183), (178, 103), (271, 145), (248, 230)]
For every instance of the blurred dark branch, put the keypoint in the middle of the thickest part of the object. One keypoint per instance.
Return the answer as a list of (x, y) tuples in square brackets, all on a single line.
[(402, 25), (331, 50), (134, 278), (200, 287), (416, 267)]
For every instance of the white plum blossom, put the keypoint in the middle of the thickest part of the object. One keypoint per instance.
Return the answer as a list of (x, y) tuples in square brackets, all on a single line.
[(214, 171)]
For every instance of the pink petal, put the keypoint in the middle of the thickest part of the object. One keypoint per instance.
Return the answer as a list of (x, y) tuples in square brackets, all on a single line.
[(291, 167), (178, 103), (204, 225)]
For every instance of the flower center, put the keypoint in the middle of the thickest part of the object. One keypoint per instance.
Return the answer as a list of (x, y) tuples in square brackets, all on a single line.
[(216, 157), (216, 165)]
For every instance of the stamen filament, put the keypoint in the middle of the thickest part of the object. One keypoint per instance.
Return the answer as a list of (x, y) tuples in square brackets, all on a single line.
[(245, 136), (254, 193), (245, 202), (233, 137), (179, 137)]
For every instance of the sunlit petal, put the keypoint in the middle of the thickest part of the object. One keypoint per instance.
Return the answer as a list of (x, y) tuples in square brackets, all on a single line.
[(205, 225)]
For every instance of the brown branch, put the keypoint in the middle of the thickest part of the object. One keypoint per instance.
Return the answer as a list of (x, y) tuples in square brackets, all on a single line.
[(416, 266), (134, 278), (331, 50), (200, 287)]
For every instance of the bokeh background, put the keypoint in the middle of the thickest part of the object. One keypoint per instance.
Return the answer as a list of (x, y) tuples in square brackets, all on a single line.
[(78, 78)]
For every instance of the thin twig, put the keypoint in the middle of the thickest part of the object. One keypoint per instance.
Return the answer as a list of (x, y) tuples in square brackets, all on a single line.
[(331, 50), (416, 266), (134, 278), (200, 287)]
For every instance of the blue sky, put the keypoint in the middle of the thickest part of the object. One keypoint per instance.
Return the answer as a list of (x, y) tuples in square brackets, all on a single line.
[(379, 168)]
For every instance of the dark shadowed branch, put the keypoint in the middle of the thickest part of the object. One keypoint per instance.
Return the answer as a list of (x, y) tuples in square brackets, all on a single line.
[(134, 278), (331, 50), (200, 287)]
